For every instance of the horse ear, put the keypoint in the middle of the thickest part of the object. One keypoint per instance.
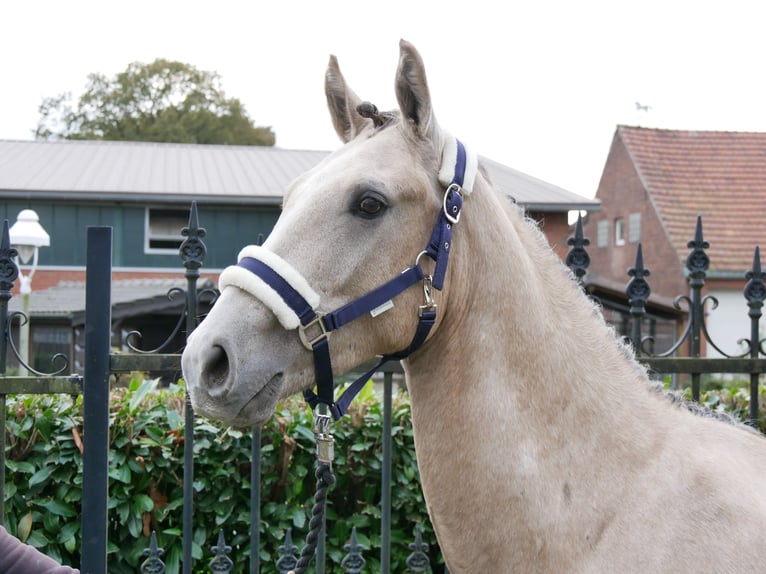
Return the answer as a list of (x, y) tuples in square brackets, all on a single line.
[(342, 102), (412, 90)]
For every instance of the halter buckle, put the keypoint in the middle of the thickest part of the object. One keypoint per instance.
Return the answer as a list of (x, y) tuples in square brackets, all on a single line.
[(454, 216), (310, 340)]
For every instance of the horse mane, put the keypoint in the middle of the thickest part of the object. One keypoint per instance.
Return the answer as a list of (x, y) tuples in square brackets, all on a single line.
[(655, 386), (698, 409)]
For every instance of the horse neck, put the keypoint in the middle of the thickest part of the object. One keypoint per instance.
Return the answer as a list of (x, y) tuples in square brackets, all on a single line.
[(520, 390), (520, 346)]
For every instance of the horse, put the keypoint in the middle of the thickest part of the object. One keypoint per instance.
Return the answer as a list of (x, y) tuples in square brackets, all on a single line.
[(542, 444)]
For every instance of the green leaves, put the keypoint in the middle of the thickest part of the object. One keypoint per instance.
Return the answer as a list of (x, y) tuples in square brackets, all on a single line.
[(59, 508), (163, 101), (44, 480)]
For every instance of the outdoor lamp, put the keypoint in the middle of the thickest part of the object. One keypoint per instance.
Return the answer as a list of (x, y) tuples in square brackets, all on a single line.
[(27, 236)]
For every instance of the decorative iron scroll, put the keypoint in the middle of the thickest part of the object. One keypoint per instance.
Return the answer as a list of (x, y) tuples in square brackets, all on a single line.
[(9, 272), (192, 252)]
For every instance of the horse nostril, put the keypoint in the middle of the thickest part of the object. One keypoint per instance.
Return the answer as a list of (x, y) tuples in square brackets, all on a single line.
[(217, 370)]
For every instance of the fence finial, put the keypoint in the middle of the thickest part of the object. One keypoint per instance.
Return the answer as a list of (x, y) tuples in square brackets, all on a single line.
[(153, 564), (193, 250), (418, 561), (353, 562), (578, 259), (755, 289), (698, 261), (221, 563)]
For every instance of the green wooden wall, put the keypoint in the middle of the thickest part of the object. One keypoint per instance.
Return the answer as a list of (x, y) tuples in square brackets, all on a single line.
[(229, 228)]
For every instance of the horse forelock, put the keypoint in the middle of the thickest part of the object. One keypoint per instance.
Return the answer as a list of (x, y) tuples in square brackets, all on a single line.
[(370, 111)]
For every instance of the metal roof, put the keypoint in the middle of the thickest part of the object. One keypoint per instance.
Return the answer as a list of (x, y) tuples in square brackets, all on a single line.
[(141, 171), (535, 194), (129, 297)]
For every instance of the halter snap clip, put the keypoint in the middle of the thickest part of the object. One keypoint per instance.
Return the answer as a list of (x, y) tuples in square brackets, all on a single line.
[(430, 304)]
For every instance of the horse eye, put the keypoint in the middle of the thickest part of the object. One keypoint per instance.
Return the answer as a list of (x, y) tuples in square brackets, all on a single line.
[(371, 206)]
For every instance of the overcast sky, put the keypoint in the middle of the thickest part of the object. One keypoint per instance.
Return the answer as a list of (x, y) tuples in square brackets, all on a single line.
[(537, 85)]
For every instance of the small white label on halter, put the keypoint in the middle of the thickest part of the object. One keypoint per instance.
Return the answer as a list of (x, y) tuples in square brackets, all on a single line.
[(380, 309)]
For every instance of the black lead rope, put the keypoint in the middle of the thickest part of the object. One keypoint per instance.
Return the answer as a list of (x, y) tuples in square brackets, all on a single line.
[(325, 479), (325, 453)]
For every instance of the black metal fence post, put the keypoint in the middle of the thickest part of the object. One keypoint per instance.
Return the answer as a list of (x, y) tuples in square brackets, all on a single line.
[(755, 293), (98, 288), (697, 263), (192, 252), (8, 274), (638, 294), (255, 501), (385, 498)]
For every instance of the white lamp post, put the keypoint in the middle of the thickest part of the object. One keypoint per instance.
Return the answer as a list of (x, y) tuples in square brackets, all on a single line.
[(27, 236)]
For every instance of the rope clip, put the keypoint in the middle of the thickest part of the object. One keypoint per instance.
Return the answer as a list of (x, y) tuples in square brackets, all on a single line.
[(430, 304), (325, 443)]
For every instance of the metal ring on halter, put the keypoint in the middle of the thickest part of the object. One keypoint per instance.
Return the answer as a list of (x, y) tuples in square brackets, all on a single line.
[(417, 259), (453, 219)]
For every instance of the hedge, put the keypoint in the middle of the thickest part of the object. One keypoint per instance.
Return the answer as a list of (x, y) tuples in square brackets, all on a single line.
[(43, 490)]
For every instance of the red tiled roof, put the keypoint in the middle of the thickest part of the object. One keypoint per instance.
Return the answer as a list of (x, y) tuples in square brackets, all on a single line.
[(718, 175)]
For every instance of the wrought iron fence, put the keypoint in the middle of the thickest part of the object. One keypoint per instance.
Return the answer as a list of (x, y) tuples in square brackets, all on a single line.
[(100, 363), (674, 360)]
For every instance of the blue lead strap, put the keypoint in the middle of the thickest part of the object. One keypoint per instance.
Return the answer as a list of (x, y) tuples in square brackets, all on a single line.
[(373, 299), (346, 314), (441, 238), (440, 243), (339, 407), (324, 379)]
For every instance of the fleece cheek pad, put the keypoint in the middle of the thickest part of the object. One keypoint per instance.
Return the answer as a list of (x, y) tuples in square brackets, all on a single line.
[(241, 278), (449, 162)]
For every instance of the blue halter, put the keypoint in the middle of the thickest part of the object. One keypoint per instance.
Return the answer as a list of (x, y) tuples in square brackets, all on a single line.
[(315, 327)]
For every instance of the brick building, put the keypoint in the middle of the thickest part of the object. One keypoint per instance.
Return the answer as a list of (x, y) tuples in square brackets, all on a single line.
[(654, 185)]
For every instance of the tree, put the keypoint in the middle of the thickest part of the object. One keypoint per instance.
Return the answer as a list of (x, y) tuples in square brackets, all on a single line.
[(164, 101)]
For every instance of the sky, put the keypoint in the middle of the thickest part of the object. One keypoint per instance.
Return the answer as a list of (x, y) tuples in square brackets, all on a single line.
[(537, 85)]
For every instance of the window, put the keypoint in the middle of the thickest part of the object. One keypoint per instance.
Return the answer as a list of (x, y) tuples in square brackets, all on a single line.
[(46, 343), (163, 229), (603, 233), (619, 231), (634, 228)]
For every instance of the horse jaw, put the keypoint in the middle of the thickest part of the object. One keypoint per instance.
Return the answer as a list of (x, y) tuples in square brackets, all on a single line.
[(238, 365)]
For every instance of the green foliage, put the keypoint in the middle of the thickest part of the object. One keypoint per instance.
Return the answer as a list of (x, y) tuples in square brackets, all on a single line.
[(44, 480), (732, 396), (163, 101)]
